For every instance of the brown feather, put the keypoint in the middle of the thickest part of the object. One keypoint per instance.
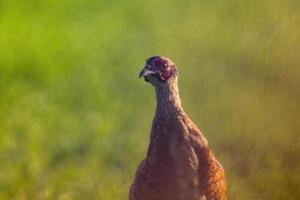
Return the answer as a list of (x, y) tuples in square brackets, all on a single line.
[(179, 164)]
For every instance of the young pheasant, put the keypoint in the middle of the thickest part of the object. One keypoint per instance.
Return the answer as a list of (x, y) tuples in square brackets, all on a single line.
[(179, 164)]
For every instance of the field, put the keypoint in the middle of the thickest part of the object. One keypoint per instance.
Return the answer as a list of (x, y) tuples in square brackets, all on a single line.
[(75, 118)]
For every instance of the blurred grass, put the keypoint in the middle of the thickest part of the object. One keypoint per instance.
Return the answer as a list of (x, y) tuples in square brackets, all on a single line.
[(75, 120)]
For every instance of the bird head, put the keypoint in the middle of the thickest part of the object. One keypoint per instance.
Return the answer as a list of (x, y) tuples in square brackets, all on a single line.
[(159, 70)]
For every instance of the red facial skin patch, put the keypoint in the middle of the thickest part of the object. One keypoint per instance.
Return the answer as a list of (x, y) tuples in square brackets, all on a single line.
[(162, 66)]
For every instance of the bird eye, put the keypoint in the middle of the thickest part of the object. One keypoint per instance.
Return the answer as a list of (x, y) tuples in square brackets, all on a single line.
[(148, 66), (163, 66)]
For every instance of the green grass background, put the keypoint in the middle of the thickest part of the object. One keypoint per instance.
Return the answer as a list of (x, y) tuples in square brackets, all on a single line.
[(75, 119)]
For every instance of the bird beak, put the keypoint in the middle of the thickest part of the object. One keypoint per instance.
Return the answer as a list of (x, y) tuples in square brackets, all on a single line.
[(145, 72)]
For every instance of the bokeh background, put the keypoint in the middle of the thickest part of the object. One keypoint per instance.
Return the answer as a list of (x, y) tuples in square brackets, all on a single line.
[(75, 119)]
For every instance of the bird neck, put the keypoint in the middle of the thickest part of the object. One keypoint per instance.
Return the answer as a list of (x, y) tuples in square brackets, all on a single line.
[(168, 104)]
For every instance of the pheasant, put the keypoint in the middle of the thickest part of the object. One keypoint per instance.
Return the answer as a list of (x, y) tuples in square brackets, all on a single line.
[(179, 164)]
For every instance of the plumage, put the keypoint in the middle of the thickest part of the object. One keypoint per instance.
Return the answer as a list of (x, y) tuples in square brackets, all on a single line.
[(179, 164)]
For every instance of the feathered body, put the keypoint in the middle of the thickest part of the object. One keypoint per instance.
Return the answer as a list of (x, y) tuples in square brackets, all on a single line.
[(179, 165)]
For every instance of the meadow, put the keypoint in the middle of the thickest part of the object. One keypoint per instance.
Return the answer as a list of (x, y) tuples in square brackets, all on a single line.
[(75, 118)]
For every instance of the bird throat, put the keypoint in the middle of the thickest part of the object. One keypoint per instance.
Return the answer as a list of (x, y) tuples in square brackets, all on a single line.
[(156, 76)]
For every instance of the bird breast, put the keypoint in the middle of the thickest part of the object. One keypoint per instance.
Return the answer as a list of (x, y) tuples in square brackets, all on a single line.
[(170, 143)]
